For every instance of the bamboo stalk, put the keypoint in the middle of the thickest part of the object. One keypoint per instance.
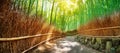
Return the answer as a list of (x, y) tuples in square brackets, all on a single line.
[(52, 11), (29, 7), (36, 8), (42, 7)]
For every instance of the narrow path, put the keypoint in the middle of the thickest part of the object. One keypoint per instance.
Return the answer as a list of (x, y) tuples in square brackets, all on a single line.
[(66, 45)]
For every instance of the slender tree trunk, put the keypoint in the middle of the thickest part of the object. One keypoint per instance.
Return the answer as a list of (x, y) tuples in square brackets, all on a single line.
[(52, 12), (36, 8), (22, 2), (63, 21), (55, 15), (25, 4), (42, 7), (31, 2)]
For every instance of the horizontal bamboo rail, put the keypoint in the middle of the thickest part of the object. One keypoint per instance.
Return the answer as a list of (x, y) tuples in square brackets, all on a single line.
[(25, 51), (23, 37), (105, 28), (97, 29), (38, 35)]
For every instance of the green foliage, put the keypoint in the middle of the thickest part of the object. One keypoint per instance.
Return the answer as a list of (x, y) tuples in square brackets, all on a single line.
[(68, 14)]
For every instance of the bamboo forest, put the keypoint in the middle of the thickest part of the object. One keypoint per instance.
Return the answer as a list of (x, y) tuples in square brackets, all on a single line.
[(59, 26)]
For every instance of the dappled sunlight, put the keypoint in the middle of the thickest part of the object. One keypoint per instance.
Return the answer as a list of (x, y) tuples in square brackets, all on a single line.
[(50, 35), (67, 5), (84, 1)]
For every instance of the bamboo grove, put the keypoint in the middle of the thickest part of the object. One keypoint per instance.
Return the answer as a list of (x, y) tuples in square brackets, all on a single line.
[(17, 29), (67, 14), (62, 17)]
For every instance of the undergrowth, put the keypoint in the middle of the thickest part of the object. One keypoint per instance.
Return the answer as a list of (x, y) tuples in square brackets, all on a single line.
[(107, 21)]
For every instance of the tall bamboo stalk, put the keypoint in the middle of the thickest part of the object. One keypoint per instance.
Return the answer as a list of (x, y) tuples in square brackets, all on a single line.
[(29, 6), (36, 8), (25, 5), (52, 12), (42, 7), (56, 12)]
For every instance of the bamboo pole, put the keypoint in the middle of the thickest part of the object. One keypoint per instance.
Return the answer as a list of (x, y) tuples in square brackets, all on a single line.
[(23, 37), (25, 51), (105, 28)]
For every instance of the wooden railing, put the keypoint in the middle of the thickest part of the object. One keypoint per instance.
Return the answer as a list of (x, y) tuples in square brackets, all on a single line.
[(23, 37), (31, 36)]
